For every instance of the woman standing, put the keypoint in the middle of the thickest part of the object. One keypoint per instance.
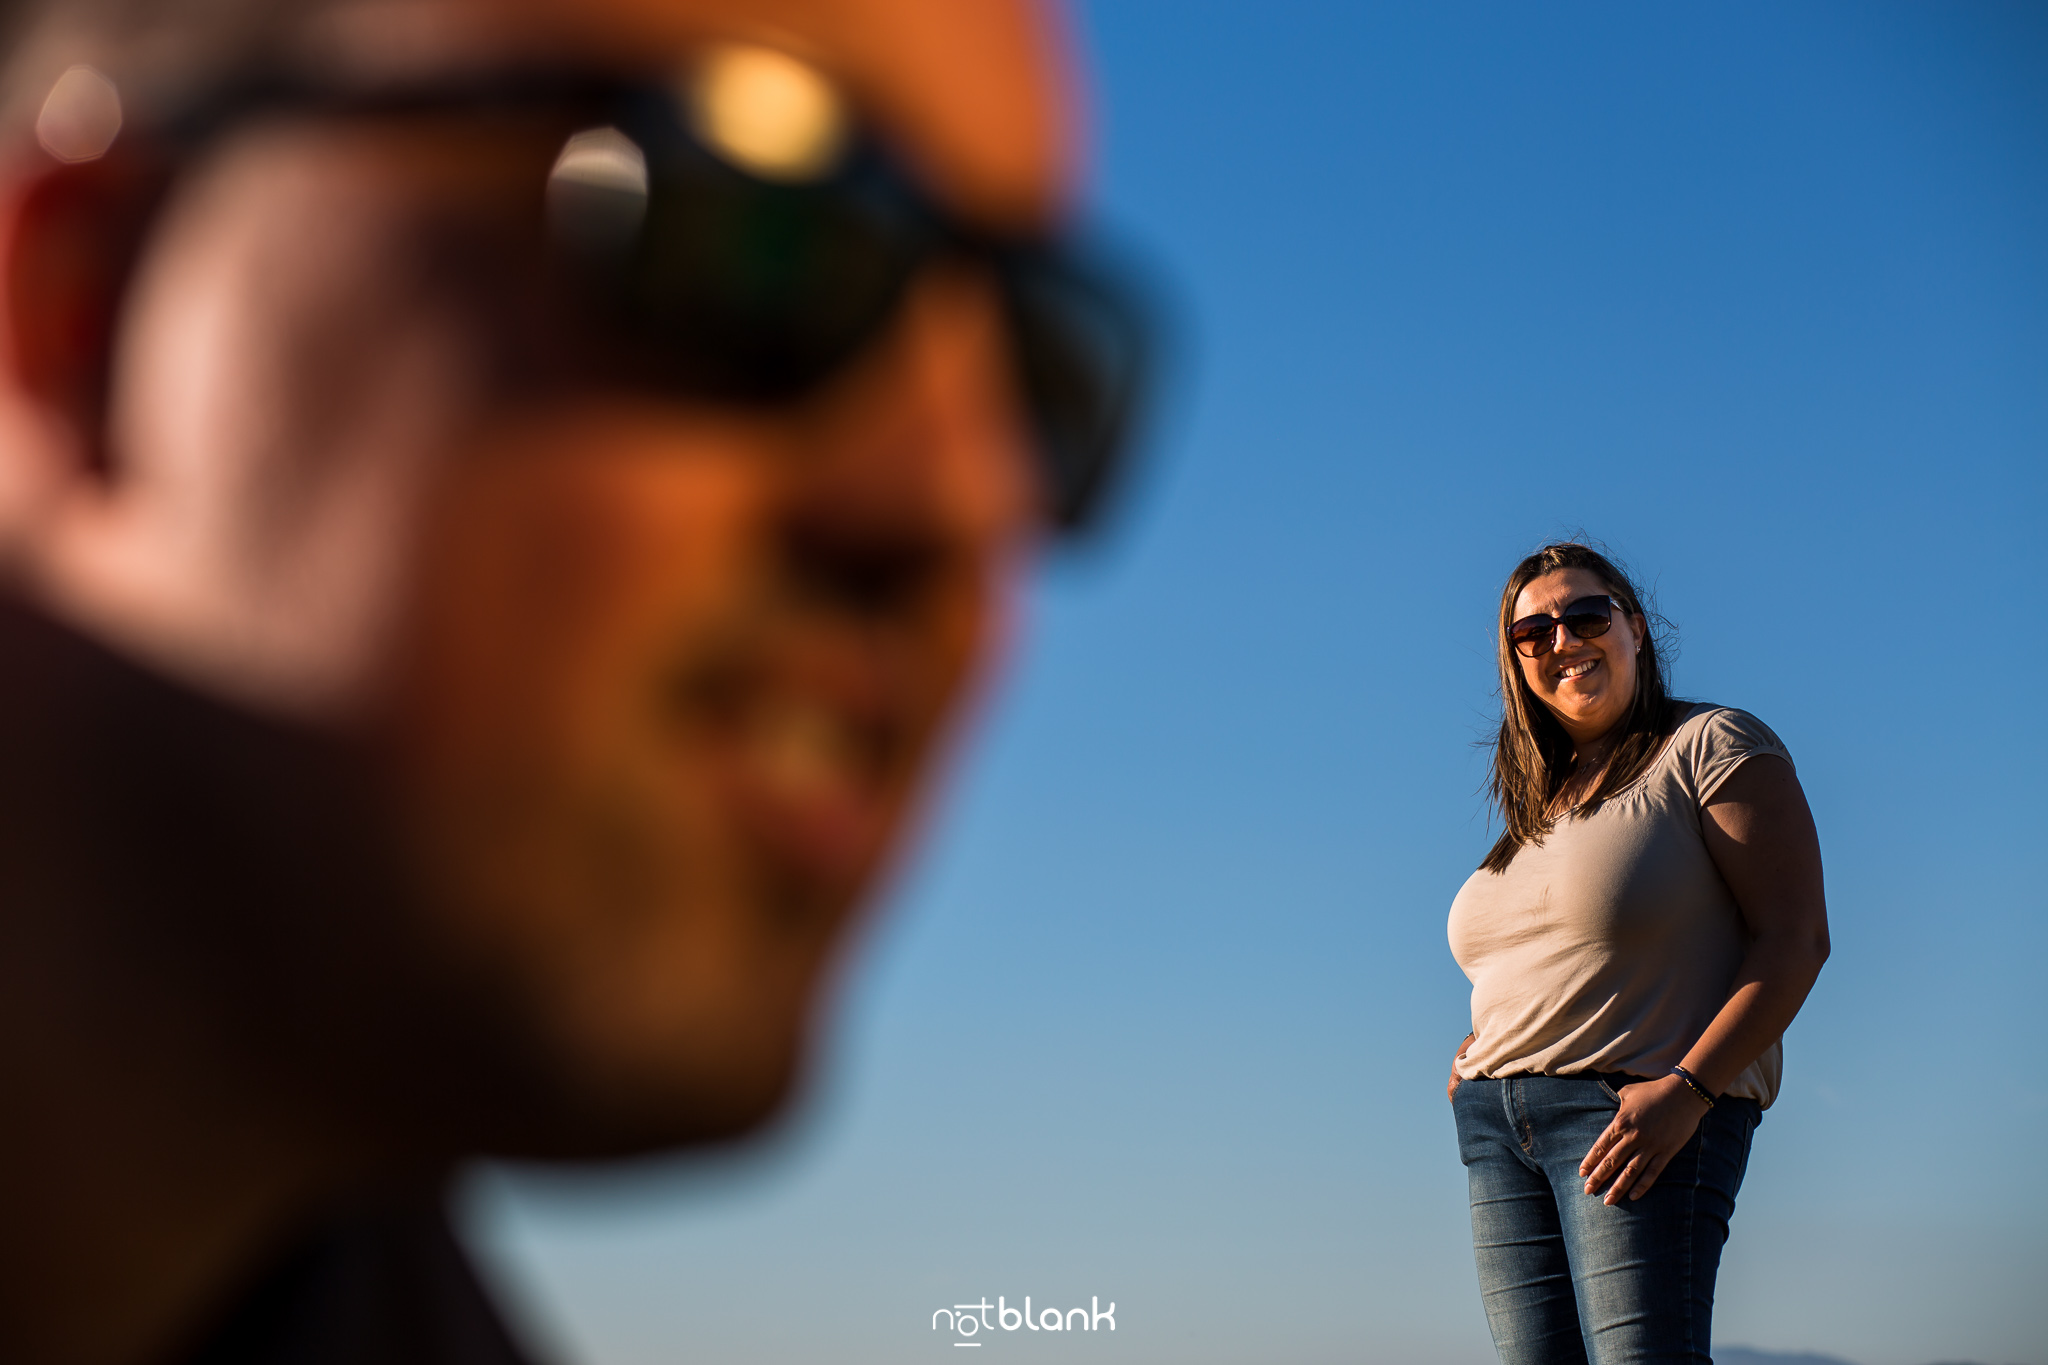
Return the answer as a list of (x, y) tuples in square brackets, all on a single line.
[(1647, 925)]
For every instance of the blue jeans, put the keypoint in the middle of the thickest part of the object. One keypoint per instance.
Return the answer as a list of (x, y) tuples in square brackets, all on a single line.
[(1568, 1280)]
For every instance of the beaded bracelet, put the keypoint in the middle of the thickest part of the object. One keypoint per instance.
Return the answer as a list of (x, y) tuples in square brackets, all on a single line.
[(1692, 1083)]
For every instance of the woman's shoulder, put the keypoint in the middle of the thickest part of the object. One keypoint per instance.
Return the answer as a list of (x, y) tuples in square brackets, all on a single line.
[(1712, 740), (1712, 718)]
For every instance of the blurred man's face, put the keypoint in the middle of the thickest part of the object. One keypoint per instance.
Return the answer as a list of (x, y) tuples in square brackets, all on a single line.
[(671, 679), (656, 680)]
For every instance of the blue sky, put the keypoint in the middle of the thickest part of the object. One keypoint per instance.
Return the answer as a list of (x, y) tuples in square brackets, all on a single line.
[(1160, 1011)]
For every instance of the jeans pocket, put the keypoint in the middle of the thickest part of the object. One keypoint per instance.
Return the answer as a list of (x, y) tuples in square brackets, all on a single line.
[(1609, 1091)]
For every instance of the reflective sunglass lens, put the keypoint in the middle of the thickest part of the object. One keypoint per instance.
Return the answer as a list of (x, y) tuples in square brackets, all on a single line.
[(1589, 617), (736, 284), (756, 291), (1532, 635)]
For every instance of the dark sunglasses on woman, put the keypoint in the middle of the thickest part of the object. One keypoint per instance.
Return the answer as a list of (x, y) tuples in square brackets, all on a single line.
[(1588, 619), (735, 233)]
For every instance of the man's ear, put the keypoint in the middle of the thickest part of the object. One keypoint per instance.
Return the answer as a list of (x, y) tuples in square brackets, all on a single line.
[(71, 234)]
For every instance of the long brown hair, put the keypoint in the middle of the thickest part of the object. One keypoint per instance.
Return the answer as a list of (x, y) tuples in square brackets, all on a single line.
[(1532, 755)]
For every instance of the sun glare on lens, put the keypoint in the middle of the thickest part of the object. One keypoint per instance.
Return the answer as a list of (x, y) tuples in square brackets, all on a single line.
[(81, 116), (604, 158), (597, 192), (768, 113)]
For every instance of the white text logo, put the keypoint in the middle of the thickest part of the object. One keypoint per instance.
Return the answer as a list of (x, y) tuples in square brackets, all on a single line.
[(972, 1319)]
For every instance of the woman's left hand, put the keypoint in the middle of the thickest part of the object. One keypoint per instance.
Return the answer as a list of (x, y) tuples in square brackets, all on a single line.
[(1657, 1118)]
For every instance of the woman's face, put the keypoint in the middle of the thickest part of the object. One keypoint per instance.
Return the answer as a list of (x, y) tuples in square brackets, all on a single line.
[(1586, 684)]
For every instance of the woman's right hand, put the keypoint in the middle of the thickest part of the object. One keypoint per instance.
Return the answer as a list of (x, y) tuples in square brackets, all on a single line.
[(1451, 1090)]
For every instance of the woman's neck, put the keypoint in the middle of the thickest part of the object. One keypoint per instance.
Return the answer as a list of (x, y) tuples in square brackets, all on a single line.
[(1590, 758)]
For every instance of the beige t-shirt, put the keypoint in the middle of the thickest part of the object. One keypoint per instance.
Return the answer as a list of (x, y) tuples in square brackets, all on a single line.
[(1613, 944)]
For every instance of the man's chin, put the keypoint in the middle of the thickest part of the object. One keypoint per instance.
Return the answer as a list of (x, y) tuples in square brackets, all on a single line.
[(640, 1112)]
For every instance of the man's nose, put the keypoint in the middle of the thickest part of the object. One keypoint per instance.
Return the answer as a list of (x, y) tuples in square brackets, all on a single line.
[(917, 462)]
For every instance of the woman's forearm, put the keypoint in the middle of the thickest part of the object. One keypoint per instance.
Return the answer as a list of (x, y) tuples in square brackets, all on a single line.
[(1771, 985)]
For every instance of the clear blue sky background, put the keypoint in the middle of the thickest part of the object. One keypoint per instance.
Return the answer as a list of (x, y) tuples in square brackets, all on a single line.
[(1161, 1011)]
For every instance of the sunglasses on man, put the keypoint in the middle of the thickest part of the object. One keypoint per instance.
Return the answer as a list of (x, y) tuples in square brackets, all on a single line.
[(1588, 618), (735, 233)]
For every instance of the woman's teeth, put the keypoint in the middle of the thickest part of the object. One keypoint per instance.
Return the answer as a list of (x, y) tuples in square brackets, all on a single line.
[(1579, 669)]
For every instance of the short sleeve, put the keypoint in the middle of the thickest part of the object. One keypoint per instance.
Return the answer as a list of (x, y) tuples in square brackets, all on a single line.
[(1724, 738)]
